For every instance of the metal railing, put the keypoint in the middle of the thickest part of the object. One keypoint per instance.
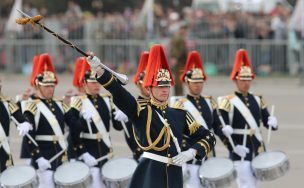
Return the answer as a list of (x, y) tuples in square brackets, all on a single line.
[(267, 56)]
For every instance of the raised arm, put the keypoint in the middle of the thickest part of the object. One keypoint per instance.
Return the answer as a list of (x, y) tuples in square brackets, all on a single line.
[(121, 97)]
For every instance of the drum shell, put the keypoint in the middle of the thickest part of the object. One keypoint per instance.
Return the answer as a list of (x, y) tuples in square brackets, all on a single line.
[(271, 173), (221, 181), (81, 183), (118, 182), (31, 183)]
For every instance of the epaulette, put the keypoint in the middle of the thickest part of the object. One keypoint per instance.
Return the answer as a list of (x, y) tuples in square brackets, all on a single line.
[(179, 104), (192, 124), (225, 103), (31, 106), (12, 106), (263, 101), (76, 102), (141, 104), (5, 98), (213, 103), (65, 107)]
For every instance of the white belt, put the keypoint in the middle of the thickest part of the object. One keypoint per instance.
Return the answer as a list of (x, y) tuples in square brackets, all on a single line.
[(158, 158), (53, 138), (243, 131), (96, 136)]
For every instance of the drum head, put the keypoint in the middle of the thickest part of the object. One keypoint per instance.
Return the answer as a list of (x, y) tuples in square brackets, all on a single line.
[(16, 176), (71, 173), (268, 160), (119, 169), (216, 168)]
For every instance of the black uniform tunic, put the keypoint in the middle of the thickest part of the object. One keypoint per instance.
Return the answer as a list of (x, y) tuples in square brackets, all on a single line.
[(260, 114), (151, 173)]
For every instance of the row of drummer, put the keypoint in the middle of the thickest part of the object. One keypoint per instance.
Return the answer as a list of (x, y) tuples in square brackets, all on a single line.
[(190, 121)]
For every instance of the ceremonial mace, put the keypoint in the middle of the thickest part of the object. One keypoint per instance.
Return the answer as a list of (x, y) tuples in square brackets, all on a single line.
[(36, 20)]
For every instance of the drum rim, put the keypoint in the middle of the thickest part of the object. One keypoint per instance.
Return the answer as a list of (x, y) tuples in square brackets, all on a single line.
[(286, 159), (76, 182), (118, 179), (223, 176), (30, 181)]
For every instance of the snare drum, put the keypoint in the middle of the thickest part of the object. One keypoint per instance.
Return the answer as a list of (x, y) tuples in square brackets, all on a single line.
[(72, 174), (19, 177), (270, 165), (118, 172), (217, 172)]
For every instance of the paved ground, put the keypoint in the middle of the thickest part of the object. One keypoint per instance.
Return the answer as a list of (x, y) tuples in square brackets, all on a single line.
[(285, 93)]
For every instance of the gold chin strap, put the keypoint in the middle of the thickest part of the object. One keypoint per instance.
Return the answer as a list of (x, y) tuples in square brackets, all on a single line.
[(165, 132)]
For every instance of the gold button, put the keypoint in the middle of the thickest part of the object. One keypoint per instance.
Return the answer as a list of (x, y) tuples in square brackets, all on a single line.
[(169, 155), (168, 164), (53, 109), (96, 106), (199, 107)]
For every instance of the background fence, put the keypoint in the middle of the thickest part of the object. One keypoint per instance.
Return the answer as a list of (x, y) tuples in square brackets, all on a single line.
[(267, 56)]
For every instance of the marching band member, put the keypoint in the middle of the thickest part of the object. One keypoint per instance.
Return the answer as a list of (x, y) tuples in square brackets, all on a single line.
[(143, 96), (28, 95), (244, 111), (158, 128), (9, 110), (48, 118), (78, 85), (202, 108), (95, 113)]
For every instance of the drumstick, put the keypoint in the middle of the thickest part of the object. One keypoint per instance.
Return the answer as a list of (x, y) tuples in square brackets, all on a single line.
[(56, 156), (104, 157), (245, 139), (26, 134), (269, 127), (125, 129), (229, 137)]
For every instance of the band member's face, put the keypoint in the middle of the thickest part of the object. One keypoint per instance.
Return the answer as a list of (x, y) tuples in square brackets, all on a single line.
[(160, 93), (195, 88), (46, 92), (92, 88), (243, 85)]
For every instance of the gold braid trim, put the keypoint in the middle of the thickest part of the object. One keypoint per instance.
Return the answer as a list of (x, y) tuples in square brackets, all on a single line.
[(152, 145), (204, 142), (108, 82)]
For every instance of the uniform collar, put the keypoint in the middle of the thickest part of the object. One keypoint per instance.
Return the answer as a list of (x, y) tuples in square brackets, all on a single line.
[(241, 94), (193, 97), (161, 106)]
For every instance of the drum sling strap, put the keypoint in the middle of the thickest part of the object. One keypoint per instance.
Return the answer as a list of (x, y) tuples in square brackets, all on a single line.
[(235, 101), (195, 113), (51, 118), (3, 138), (88, 106)]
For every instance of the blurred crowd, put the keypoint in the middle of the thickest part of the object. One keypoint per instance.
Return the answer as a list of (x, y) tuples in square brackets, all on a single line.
[(131, 24)]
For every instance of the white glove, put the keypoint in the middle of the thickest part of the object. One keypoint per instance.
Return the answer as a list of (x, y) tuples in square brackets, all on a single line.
[(43, 164), (88, 159), (94, 63), (227, 130), (120, 116), (24, 128), (273, 122), (184, 156), (86, 115), (241, 150)]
